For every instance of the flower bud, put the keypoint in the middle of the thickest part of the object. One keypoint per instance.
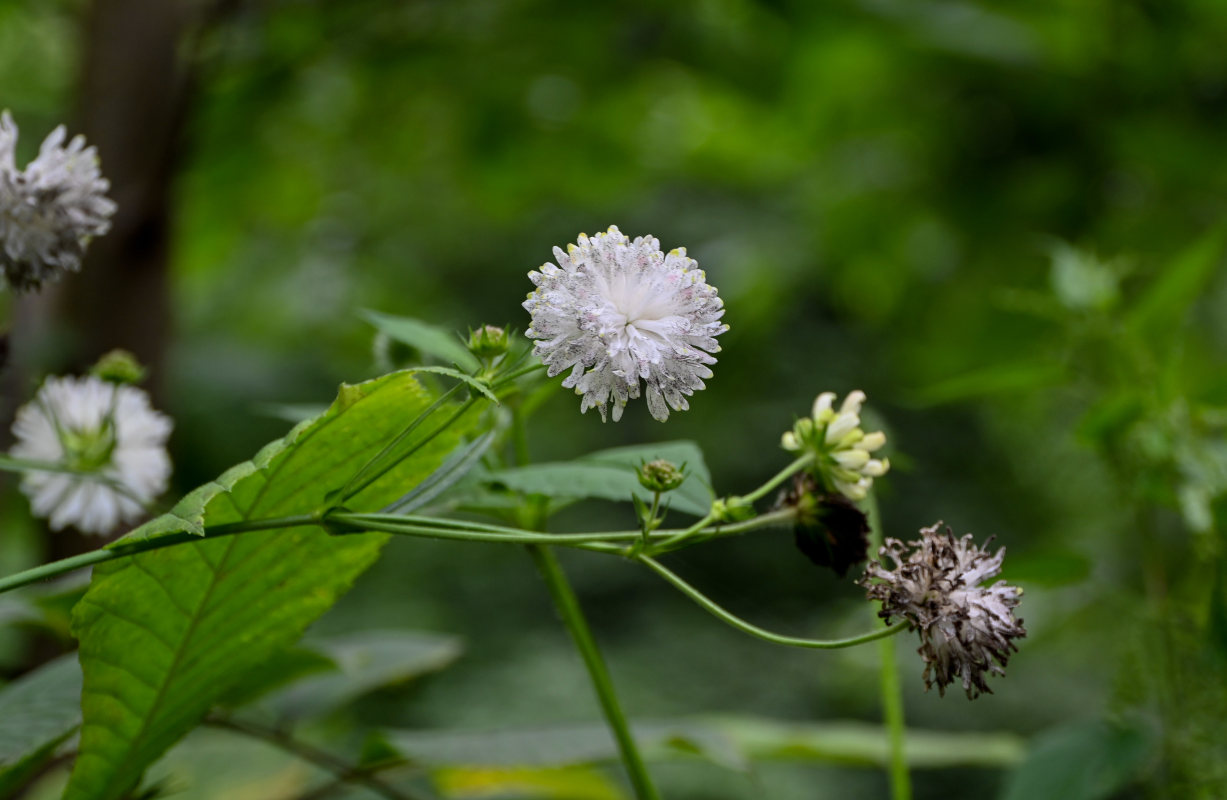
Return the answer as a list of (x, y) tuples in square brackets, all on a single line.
[(488, 341), (118, 366), (661, 475)]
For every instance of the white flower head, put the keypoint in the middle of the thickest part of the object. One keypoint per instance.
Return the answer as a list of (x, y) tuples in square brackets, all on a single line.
[(616, 312), (110, 444), (51, 210), (965, 629), (843, 453)]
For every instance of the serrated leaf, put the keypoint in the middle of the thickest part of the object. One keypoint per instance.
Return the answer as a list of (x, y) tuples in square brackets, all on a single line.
[(38, 712), (364, 662), (165, 633), (429, 339), (610, 475), (478, 386)]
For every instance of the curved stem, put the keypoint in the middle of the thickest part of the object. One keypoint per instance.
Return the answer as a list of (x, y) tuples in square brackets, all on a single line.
[(364, 522), (891, 688), (342, 769), (740, 624), (573, 618)]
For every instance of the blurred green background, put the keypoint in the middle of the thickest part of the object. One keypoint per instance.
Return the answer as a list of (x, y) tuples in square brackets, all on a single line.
[(1001, 220)]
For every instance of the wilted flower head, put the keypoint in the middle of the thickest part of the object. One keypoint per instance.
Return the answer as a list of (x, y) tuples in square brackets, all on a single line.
[(110, 444), (965, 629), (842, 451), (829, 529), (615, 312), (49, 211)]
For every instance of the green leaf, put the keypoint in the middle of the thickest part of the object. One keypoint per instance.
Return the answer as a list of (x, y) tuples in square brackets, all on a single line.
[(1084, 761), (453, 470), (480, 386), (363, 662), (561, 745), (1178, 286), (165, 633), (730, 741), (38, 712), (866, 745), (563, 783), (429, 339), (610, 475)]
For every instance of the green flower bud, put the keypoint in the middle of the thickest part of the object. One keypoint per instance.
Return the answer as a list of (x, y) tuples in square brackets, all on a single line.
[(661, 475), (118, 366), (731, 509), (488, 341)]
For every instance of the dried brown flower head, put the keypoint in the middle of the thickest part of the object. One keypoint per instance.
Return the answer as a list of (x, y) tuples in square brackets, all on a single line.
[(965, 629)]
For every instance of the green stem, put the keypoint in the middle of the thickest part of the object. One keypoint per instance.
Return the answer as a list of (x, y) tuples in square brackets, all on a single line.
[(573, 618), (124, 548), (781, 476), (740, 624), (891, 688), (519, 373)]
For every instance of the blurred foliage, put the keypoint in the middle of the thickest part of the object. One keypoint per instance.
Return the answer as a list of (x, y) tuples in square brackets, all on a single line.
[(1000, 220)]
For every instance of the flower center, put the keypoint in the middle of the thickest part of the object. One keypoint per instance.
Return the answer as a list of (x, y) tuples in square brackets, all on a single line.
[(88, 450), (635, 322)]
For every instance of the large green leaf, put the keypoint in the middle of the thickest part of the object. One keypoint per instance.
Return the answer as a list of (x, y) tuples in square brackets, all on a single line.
[(37, 713), (166, 632), (610, 475)]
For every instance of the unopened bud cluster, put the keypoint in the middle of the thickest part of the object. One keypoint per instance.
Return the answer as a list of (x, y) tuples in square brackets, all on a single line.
[(488, 341), (661, 475), (843, 453)]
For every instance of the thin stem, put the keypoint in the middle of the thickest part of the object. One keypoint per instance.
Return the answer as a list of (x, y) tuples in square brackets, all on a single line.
[(365, 522), (740, 624), (573, 618), (124, 548), (891, 688), (343, 770), (781, 476), (519, 373)]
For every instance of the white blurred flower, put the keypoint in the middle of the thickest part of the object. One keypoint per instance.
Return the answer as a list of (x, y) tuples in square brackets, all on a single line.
[(615, 312), (110, 444), (965, 629), (842, 452), (49, 211)]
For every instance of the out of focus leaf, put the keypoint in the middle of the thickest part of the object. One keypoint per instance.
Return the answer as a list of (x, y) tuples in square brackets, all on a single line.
[(561, 745), (364, 662), (1165, 302), (165, 633), (490, 783), (431, 340), (291, 412), (862, 744), (994, 380), (1084, 761), (610, 475), (38, 712)]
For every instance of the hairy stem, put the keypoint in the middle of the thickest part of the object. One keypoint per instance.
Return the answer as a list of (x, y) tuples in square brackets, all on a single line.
[(573, 618)]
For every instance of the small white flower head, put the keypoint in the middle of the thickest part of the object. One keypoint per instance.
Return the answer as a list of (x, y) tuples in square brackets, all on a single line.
[(965, 629), (51, 210), (108, 444), (843, 453), (616, 312)]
